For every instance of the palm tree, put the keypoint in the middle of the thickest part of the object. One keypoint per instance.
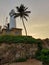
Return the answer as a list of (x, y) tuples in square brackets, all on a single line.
[(23, 13)]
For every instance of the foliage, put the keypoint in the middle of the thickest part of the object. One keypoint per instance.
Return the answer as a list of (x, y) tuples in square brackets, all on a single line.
[(40, 46), (43, 56), (21, 60), (16, 39)]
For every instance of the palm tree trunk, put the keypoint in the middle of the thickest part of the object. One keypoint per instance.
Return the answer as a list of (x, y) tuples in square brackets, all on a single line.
[(24, 26)]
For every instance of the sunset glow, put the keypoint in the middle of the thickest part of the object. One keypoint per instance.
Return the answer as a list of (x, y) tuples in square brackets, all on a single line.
[(38, 21)]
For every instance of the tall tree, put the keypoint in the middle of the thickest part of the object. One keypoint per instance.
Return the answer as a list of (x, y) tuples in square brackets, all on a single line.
[(23, 13)]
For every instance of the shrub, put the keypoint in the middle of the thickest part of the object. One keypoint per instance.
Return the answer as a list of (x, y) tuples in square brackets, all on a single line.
[(16, 39), (43, 56), (21, 60)]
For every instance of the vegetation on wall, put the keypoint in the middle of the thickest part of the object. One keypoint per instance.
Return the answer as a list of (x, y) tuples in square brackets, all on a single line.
[(21, 60), (43, 56), (17, 39), (40, 47)]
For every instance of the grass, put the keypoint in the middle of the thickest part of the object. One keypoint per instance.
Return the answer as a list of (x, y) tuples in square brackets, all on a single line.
[(17, 39)]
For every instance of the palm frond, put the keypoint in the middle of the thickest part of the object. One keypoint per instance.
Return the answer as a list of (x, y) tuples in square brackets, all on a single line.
[(25, 18), (22, 8), (26, 8), (17, 8), (16, 15), (28, 12), (22, 11)]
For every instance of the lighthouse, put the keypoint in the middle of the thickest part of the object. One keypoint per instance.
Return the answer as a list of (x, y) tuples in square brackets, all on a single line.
[(12, 23)]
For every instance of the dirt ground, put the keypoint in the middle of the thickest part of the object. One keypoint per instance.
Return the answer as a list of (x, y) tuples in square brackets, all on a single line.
[(28, 62)]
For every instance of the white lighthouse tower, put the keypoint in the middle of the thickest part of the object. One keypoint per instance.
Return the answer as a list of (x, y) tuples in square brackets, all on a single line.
[(12, 19)]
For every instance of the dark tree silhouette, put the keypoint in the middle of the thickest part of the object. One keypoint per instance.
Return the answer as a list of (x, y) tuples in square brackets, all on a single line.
[(23, 14)]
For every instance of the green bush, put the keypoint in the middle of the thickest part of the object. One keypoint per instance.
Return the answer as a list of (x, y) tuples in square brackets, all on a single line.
[(17, 39), (37, 55), (21, 60), (43, 56)]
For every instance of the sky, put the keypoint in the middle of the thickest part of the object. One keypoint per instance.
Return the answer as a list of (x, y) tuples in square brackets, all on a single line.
[(38, 21)]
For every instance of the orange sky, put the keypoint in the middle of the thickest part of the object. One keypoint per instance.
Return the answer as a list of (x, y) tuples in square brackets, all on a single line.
[(38, 22)]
